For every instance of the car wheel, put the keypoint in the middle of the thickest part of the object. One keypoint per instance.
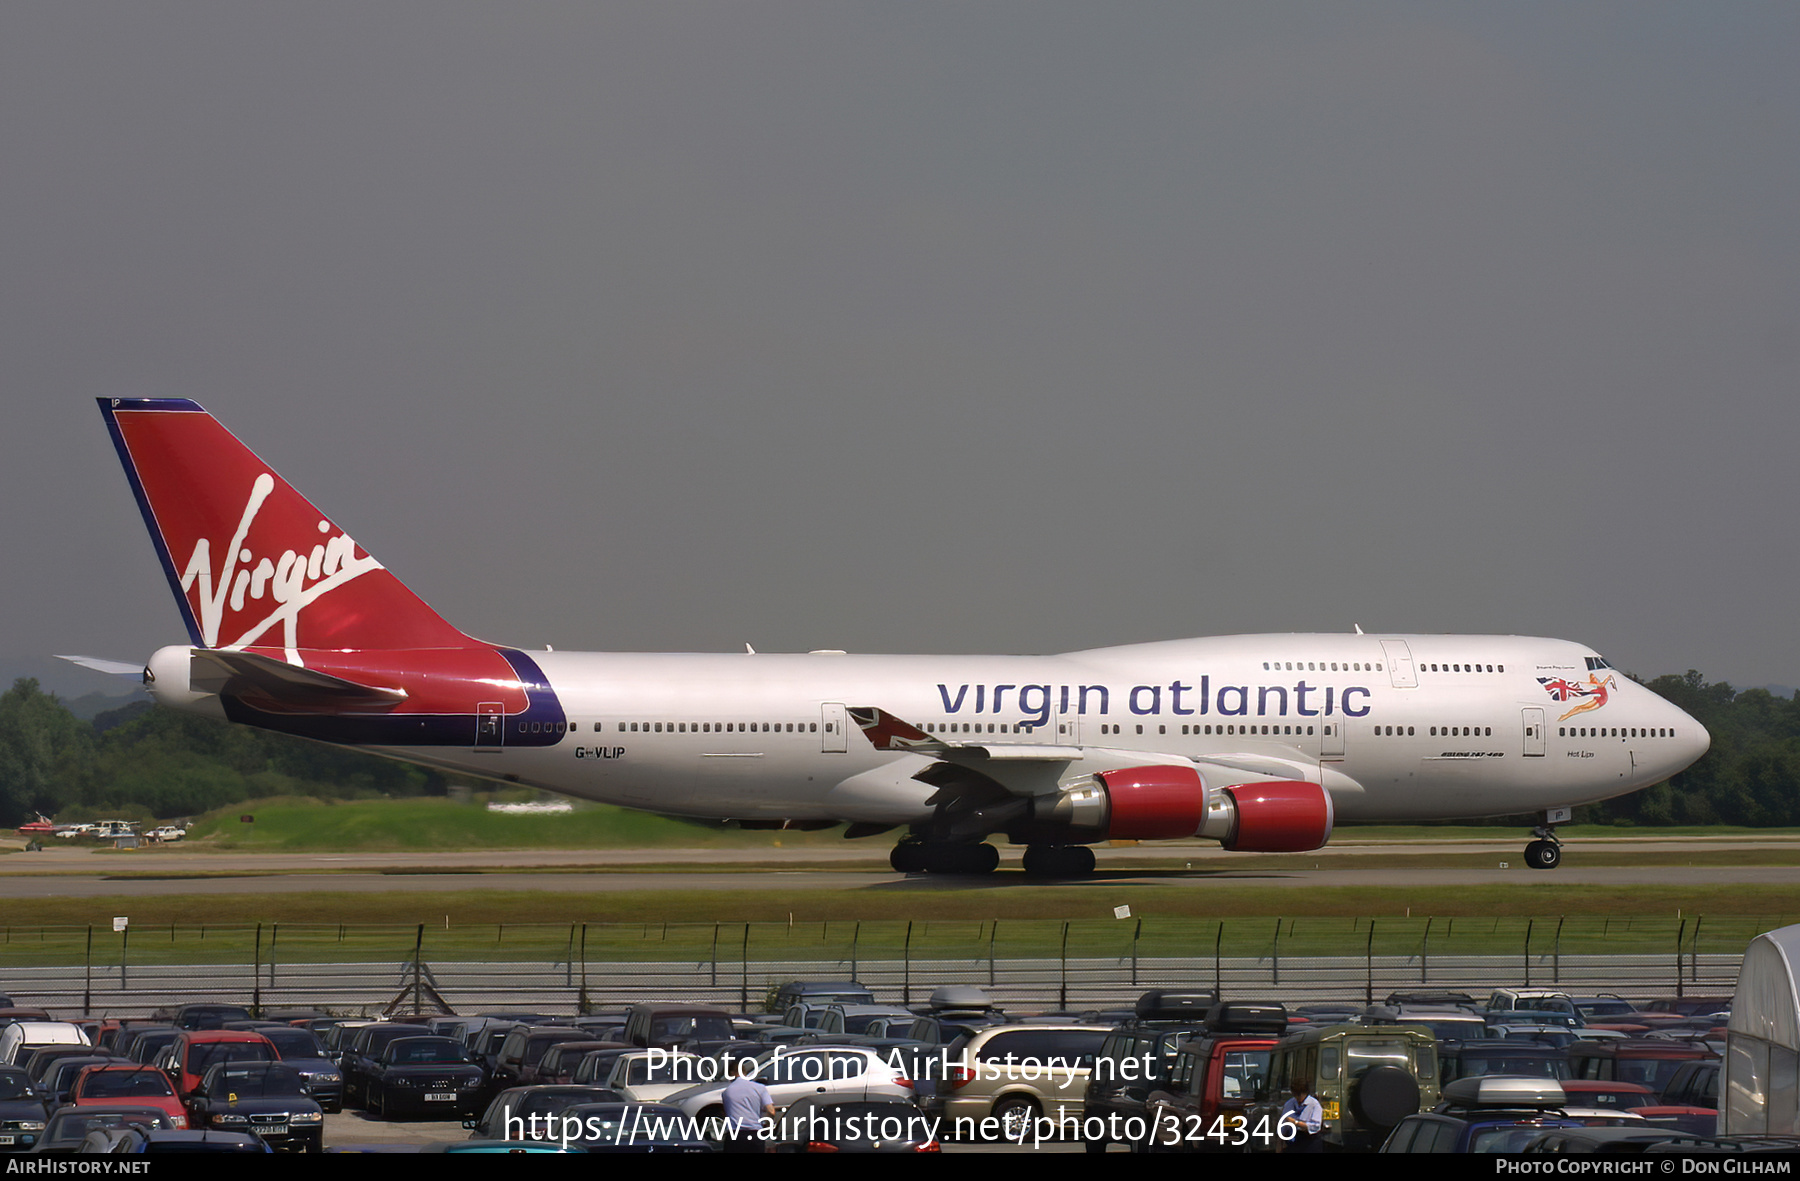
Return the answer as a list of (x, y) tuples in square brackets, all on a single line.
[(1015, 1114)]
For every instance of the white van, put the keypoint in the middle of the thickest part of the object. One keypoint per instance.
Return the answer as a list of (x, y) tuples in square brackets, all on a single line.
[(37, 1033)]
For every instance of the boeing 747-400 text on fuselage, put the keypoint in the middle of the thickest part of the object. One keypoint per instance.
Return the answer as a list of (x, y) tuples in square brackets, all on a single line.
[(1259, 742)]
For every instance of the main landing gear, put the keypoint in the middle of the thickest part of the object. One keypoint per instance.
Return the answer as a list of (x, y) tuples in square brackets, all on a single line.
[(977, 857), (959, 857), (1546, 851), (1059, 861)]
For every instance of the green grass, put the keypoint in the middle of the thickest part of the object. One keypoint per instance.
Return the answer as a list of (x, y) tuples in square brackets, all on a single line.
[(943, 928), (306, 825)]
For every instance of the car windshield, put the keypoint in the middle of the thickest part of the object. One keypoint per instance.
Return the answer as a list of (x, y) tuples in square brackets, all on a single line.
[(295, 1043), (1476, 1064), (691, 1027), (1365, 1053), (272, 1082), (423, 1052), (1244, 1072), (205, 1054), (126, 1084), (13, 1084), (71, 1124)]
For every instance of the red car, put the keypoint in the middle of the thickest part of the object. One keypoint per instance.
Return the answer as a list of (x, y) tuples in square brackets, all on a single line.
[(130, 1084), (189, 1055)]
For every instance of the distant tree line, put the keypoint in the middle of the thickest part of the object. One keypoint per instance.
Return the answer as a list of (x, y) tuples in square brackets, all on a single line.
[(1751, 776), (145, 761), (142, 761)]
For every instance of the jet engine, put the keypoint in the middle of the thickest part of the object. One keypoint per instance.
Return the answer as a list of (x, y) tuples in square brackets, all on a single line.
[(1159, 803)]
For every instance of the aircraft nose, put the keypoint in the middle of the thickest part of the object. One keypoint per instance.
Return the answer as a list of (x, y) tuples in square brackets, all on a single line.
[(1691, 740)]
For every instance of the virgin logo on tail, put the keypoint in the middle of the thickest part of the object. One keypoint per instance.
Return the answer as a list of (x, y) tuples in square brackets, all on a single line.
[(291, 582)]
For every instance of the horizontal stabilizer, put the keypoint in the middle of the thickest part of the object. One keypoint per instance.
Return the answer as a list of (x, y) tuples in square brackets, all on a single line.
[(284, 686), (117, 668)]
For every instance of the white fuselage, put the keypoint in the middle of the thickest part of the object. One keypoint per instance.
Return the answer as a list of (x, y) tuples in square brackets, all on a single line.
[(1395, 727)]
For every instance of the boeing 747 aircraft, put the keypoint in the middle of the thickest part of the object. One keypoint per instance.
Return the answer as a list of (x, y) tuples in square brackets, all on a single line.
[(1262, 743)]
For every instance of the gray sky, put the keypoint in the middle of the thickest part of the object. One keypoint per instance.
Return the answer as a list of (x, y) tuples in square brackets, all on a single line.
[(928, 327)]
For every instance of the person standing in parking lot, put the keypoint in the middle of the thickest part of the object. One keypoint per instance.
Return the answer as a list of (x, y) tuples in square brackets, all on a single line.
[(1303, 1113), (746, 1103)]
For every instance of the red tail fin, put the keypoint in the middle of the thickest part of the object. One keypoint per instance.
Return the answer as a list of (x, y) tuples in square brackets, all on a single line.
[(251, 561)]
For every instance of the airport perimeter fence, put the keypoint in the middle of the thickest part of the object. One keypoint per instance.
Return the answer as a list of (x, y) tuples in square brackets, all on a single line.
[(1025, 964)]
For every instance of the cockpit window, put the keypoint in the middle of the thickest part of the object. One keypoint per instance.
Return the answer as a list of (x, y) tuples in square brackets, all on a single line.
[(1595, 663)]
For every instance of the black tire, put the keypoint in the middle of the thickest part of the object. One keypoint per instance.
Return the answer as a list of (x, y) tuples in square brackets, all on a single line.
[(908, 857), (1543, 855), (1019, 1110), (1382, 1096)]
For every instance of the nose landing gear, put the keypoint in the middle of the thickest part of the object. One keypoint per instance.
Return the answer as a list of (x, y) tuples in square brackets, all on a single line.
[(1543, 854), (1546, 851)]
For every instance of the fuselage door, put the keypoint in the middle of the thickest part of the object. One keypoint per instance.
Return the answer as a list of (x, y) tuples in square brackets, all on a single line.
[(1068, 728), (1331, 743), (1400, 664), (490, 725), (833, 736), (1533, 723)]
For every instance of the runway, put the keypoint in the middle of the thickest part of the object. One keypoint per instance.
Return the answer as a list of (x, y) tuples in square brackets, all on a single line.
[(100, 873)]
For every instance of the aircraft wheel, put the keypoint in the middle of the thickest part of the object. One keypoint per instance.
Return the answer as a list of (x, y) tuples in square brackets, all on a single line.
[(1543, 855), (944, 857), (1059, 861), (908, 857)]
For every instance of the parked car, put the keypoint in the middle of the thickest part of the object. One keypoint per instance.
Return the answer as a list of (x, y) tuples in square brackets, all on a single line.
[(22, 1111), (1200, 1108), (430, 1076), (267, 1098), (1368, 1075), (849, 1072), (823, 1123), (69, 1126), (1005, 1078)]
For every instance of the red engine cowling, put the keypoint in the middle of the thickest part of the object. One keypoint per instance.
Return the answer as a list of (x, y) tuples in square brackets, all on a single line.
[(1154, 803), (1169, 801), (1279, 816)]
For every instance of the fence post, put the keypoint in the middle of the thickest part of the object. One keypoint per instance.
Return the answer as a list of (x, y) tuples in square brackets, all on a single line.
[(1425, 955), (1369, 966), (1528, 923), (1680, 936), (569, 959), (419, 970), (855, 938), (87, 983), (1556, 951), (581, 1002), (713, 978), (256, 975), (906, 966), (1062, 995), (1137, 932), (993, 934), (1218, 961), (744, 986), (1275, 958), (1694, 949)]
